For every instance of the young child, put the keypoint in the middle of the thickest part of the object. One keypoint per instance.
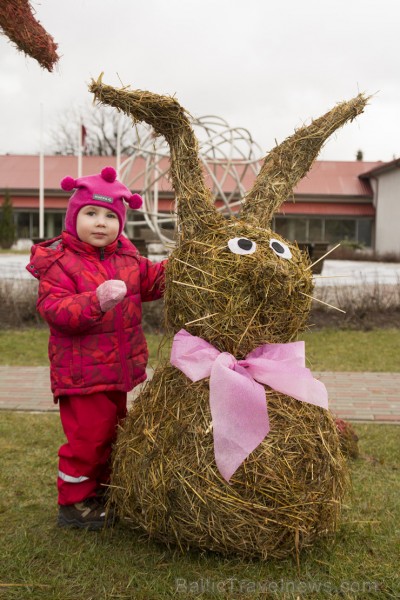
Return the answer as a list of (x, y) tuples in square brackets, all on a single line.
[(92, 282)]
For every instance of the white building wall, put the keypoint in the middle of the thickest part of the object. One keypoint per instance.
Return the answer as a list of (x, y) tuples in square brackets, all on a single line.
[(387, 222)]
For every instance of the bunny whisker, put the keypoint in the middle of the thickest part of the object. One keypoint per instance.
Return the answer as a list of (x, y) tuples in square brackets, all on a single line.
[(322, 257), (201, 243), (249, 323), (198, 287), (329, 276), (217, 331), (216, 248), (267, 290), (196, 268), (201, 319), (322, 302)]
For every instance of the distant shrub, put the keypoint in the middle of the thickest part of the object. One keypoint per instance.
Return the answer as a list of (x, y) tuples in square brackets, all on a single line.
[(355, 251), (7, 226), (366, 305), (18, 303), (18, 306)]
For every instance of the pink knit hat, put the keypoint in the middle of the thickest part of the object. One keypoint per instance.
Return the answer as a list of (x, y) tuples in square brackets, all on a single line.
[(98, 190)]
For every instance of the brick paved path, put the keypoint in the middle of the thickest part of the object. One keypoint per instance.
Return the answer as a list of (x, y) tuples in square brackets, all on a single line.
[(370, 397)]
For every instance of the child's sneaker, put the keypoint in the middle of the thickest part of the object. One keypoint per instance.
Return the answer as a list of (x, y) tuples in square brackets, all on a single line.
[(89, 514)]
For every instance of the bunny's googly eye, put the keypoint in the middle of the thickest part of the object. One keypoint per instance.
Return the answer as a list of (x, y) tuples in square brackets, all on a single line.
[(242, 246), (280, 249)]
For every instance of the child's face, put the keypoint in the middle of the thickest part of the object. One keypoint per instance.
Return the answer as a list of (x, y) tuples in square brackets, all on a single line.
[(97, 226)]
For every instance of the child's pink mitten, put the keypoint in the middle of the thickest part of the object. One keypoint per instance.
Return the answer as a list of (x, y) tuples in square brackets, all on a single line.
[(110, 293)]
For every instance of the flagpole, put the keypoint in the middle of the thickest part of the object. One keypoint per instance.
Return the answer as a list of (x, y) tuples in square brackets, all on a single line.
[(41, 178), (80, 148), (118, 152)]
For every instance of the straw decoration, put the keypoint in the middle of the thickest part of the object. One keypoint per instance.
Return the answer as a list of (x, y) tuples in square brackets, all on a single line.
[(289, 162), (21, 27), (170, 120), (288, 491)]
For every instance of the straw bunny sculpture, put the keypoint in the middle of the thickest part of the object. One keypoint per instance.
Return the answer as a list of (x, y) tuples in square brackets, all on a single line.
[(231, 447)]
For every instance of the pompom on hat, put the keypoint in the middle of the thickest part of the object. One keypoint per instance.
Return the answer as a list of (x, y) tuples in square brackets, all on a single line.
[(98, 190)]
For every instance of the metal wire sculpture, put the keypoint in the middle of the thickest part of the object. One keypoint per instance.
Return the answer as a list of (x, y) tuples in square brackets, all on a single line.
[(229, 156)]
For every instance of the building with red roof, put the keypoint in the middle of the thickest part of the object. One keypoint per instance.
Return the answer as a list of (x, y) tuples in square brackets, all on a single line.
[(355, 201)]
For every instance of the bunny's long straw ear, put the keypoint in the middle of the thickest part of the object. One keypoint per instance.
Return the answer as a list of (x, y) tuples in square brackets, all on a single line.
[(196, 208), (287, 163)]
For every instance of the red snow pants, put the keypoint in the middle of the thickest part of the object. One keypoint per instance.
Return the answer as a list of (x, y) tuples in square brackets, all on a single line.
[(90, 426)]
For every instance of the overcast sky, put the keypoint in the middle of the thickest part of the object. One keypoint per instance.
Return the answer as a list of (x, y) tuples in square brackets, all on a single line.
[(266, 66)]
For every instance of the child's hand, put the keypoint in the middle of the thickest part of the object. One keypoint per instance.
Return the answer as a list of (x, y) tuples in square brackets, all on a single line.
[(110, 293)]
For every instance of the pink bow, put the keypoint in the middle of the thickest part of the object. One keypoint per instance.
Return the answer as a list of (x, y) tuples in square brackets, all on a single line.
[(238, 403)]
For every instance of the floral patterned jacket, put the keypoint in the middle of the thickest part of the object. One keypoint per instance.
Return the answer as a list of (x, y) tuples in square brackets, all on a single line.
[(92, 351)]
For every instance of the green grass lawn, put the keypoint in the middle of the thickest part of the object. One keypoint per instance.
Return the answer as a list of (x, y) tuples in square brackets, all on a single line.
[(28, 347), (326, 349), (40, 561), (348, 350)]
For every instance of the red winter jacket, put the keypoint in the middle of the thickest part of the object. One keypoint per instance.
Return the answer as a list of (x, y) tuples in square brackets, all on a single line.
[(92, 351)]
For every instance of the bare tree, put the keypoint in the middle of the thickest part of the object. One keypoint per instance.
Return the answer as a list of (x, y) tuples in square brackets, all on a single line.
[(98, 128)]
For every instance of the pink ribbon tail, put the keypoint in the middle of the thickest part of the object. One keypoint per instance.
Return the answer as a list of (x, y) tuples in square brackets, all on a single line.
[(239, 414), (237, 401)]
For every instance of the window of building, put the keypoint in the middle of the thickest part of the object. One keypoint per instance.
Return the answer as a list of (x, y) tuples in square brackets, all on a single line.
[(325, 229), (337, 230), (280, 225), (292, 228), (315, 230), (23, 224), (364, 232), (27, 224), (35, 225), (53, 224)]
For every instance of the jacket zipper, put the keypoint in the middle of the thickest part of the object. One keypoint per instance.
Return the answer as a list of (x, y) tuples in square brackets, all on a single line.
[(119, 323)]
